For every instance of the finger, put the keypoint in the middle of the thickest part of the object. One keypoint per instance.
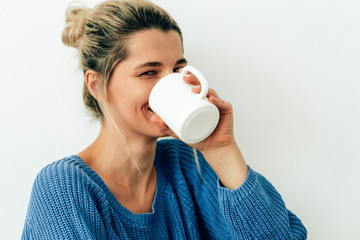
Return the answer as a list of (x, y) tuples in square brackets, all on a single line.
[(159, 122), (223, 106), (212, 92), (197, 89), (162, 126), (191, 79)]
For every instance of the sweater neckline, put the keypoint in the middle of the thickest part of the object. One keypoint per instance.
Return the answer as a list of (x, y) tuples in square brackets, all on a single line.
[(141, 218)]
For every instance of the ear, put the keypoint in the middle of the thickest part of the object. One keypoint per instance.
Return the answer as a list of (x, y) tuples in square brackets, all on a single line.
[(92, 79)]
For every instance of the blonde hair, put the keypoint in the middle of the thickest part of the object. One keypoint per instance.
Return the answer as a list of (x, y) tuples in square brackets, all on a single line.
[(100, 34)]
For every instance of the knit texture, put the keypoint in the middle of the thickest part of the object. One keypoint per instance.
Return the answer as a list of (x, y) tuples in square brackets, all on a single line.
[(70, 201)]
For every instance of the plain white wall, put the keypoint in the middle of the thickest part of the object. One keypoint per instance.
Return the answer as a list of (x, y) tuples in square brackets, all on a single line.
[(290, 69)]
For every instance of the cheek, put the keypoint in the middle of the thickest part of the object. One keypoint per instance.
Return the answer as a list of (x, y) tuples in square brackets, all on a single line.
[(134, 95), (143, 90), (130, 99), (119, 98)]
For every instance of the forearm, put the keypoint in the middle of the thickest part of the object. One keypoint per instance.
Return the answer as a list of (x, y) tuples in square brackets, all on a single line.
[(229, 165), (258, 210)]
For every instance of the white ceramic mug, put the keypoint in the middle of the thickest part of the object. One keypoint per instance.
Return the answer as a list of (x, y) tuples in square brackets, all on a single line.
[(189, 115)]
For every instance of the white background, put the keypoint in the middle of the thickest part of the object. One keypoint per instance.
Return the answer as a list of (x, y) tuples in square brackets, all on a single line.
[(291, 69)]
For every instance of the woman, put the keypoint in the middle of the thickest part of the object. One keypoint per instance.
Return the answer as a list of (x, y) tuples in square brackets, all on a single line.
[(128, 184)]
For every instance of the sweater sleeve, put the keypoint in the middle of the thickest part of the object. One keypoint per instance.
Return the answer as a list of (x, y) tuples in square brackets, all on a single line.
[(256, 210), (62, 207)]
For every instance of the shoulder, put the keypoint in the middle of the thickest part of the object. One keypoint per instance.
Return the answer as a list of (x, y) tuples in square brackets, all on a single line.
[(61, 170), (61, 178), (64, 203)]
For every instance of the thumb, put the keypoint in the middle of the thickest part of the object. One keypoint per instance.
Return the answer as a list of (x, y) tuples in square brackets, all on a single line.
[(162, 126), (159, 122)]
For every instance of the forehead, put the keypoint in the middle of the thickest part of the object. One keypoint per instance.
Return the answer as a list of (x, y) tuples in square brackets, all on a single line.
[(155, 44)]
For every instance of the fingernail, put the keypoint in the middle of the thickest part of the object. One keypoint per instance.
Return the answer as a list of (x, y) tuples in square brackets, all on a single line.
[(197, 86)]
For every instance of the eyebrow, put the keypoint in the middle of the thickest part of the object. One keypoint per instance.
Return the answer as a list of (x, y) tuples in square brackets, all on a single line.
[(159, 64)]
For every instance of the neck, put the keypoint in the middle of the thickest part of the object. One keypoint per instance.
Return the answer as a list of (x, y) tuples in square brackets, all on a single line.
[(131, 165)]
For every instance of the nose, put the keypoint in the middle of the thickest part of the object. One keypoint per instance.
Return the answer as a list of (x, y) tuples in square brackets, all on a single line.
[(165, 73)]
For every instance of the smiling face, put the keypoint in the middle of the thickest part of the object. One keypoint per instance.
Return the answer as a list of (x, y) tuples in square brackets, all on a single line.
[(153, 54)]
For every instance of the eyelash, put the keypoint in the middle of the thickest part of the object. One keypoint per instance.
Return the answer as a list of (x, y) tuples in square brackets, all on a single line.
[(155, 72), (147, 73)]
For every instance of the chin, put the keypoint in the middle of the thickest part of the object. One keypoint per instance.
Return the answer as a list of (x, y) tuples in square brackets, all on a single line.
[(154, 133), (161, 135)]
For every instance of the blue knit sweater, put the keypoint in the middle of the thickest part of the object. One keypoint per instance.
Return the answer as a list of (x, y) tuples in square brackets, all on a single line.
[(70, 201)]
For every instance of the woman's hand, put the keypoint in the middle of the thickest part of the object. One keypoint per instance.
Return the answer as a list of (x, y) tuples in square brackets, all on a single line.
[(220, 148), (223, 135)]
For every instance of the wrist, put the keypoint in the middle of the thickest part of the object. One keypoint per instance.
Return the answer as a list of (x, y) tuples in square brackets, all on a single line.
[(229, 165)]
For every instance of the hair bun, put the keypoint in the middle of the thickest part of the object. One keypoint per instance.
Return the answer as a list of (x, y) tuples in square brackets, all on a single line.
[(76, 18)]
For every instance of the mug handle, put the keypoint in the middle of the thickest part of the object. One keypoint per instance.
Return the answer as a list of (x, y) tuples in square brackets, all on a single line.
[(200, 77)]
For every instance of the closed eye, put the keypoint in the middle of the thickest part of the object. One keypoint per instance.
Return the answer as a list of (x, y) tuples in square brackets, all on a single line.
[(148, 73)]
